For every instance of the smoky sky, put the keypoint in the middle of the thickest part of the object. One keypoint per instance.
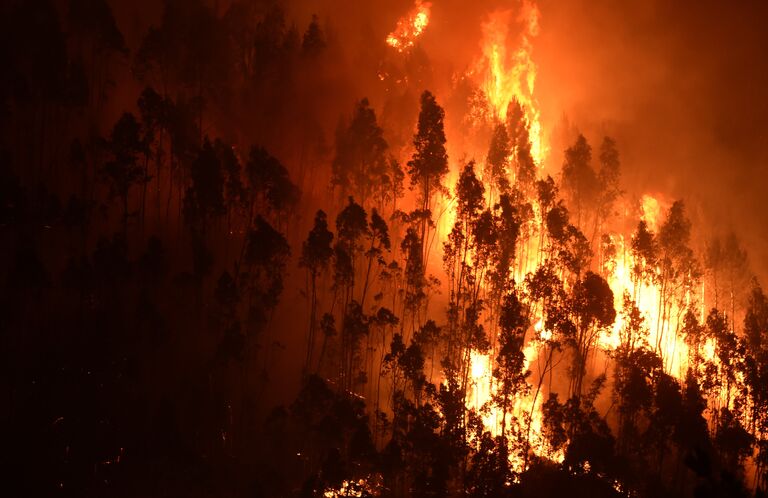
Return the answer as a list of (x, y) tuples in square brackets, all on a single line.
[(682, 86)]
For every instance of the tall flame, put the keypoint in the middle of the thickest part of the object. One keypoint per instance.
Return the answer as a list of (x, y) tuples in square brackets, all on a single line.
[(651, 208), (410, 27), (510, 75)]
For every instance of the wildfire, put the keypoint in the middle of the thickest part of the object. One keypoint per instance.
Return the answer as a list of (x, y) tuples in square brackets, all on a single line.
[(410, 27), (506, 75), (484, 389), (650, 211), (369, 486), (662, 328)]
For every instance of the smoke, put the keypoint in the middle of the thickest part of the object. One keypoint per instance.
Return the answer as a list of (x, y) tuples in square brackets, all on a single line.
[(680, 85)]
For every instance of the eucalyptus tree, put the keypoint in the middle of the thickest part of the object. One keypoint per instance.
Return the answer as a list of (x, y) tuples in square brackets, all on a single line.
[(580, 181), (429, 163), (361, 163), (123, 170), (316, 255), (497, 162)]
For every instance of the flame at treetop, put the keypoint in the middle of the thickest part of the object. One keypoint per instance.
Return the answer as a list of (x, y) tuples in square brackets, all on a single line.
[(510, 75), (650, 211), (410, 27)]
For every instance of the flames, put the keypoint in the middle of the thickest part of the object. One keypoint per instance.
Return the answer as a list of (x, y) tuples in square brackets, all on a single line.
[(662, 330), (410, 27), (506, 71), (651, 208)]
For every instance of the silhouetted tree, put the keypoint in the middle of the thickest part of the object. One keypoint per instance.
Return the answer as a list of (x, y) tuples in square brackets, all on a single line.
[(429, 163), (580, 181), (593, 309), (360, 162), (123, 170), (204, 198), (678, 269), (519, 131), (313, 41), (498, 159), (316, 254), (271, 190)]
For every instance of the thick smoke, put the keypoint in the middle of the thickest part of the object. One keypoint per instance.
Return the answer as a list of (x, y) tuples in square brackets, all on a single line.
[(680, 85)]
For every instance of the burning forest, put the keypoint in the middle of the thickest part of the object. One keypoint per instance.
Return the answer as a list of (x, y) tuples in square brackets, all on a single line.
[(396, 249)]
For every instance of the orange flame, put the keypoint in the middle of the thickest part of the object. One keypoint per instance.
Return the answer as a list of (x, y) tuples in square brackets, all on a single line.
[(651, 208), (505, 76), (509, 76), (661, 329), (410, 27)]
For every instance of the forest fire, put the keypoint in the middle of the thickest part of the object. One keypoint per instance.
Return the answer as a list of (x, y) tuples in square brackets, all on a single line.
[(410, 27), (507, 69), (255, 249)]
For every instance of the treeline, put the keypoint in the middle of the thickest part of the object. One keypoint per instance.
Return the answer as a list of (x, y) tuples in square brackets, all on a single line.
[(147, 268)]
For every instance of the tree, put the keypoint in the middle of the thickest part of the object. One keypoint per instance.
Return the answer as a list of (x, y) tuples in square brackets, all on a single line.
[(568, 245), (360, 162), (756, 332), (414, 272), (379, 242), (608, 177), (579, 178), (644, 254), (235, 193), (593, 309), (154, 120), (666, 414), (728, 265), (510, 368), (498, 159), (316, 254), (508, 231), (520, 139), (633, 392), (469, 196), (271, 191), (205, 196), (729, 351), (189, 49), (351, 228), (271, 46), (123, 170), (263, 269), (313, 41), (97, 37), (429, 163), (678, 269)]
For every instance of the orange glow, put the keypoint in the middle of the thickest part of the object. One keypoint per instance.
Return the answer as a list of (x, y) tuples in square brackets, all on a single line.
[(651, 209), (661, 329), (410, 27), (507, 75)]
